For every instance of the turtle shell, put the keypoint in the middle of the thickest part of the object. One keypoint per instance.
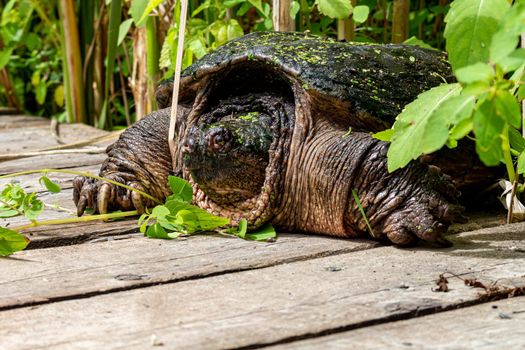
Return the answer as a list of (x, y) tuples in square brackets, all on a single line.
[(378, 80)]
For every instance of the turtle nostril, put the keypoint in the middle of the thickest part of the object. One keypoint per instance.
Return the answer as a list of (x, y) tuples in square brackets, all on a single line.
[(189, 145)]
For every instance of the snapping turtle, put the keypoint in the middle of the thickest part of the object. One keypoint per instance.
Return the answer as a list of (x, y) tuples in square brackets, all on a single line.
[(277, 127)]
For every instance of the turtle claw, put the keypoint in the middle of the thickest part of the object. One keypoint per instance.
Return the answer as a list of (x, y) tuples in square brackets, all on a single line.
[(104, 197), (81, 206), (104, 193), (427, 213)]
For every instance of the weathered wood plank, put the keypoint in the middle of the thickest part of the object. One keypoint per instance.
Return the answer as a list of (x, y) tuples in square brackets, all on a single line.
[(39, 137), (496, 325), (68, 234), (253, 307), (61, 161), (21, 121), (30, 182), (56, 273)]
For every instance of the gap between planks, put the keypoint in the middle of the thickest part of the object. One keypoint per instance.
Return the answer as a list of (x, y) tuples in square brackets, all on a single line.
[(291, 248), (494, 325), (84, 271)]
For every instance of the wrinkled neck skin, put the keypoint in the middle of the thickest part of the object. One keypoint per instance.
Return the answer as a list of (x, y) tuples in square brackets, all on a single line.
[(324, 164)]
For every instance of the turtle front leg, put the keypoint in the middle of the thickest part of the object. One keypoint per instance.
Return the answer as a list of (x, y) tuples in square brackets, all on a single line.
[(418, 201), (140, 159)]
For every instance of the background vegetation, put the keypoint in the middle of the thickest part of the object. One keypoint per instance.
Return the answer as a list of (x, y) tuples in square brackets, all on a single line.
[(116, 50)]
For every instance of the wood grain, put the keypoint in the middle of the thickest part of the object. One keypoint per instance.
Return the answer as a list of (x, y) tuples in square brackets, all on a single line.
[(254, 307), (56, 273), (60, 161), (31, 138), (496, 325)]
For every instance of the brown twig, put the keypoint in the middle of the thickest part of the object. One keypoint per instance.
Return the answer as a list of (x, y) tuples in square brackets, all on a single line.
[(13, 156)]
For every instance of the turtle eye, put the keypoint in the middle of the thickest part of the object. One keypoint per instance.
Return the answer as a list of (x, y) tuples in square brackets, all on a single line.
[(218, 139)]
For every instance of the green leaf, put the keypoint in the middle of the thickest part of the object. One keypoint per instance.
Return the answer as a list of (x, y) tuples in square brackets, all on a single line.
[(11, 241), (264, 233), (181, 188), (32, 41), (243, 9), (457, 108), (506, 37), (240, 230), (470, 25), (417, 42), (123, 30), (457, 111), (59, 95), (5, 57), (476, 72), (517, 142), (295, 7), (234, 30), (412, 135), (230, 3), (143, 223), (8, 213), (339, 9), (477, 88), (488, 130), (157, 231), (202, 7), (385, 135), (41, 92), (32, 206), (513, 62), (160, 212), (360, 13), (151, 5), (521, 163), (197, 46), (521, 92), (51, 186), (460, 130), (508, 108), (200, 220), (13, 194), (137, 10), (257, 4)]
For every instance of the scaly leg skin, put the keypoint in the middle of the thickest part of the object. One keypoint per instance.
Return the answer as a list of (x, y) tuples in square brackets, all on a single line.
[(140, 158), (417, 201)]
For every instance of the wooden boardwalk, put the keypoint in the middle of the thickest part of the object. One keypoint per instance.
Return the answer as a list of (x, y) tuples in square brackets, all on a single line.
[(104, 286)]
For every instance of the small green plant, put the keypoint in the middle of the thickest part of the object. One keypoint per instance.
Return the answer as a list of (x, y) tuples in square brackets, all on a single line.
[(177, 216), (363, 214)]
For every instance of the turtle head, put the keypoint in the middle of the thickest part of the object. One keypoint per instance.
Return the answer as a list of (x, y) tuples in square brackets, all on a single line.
[(221, 156)]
